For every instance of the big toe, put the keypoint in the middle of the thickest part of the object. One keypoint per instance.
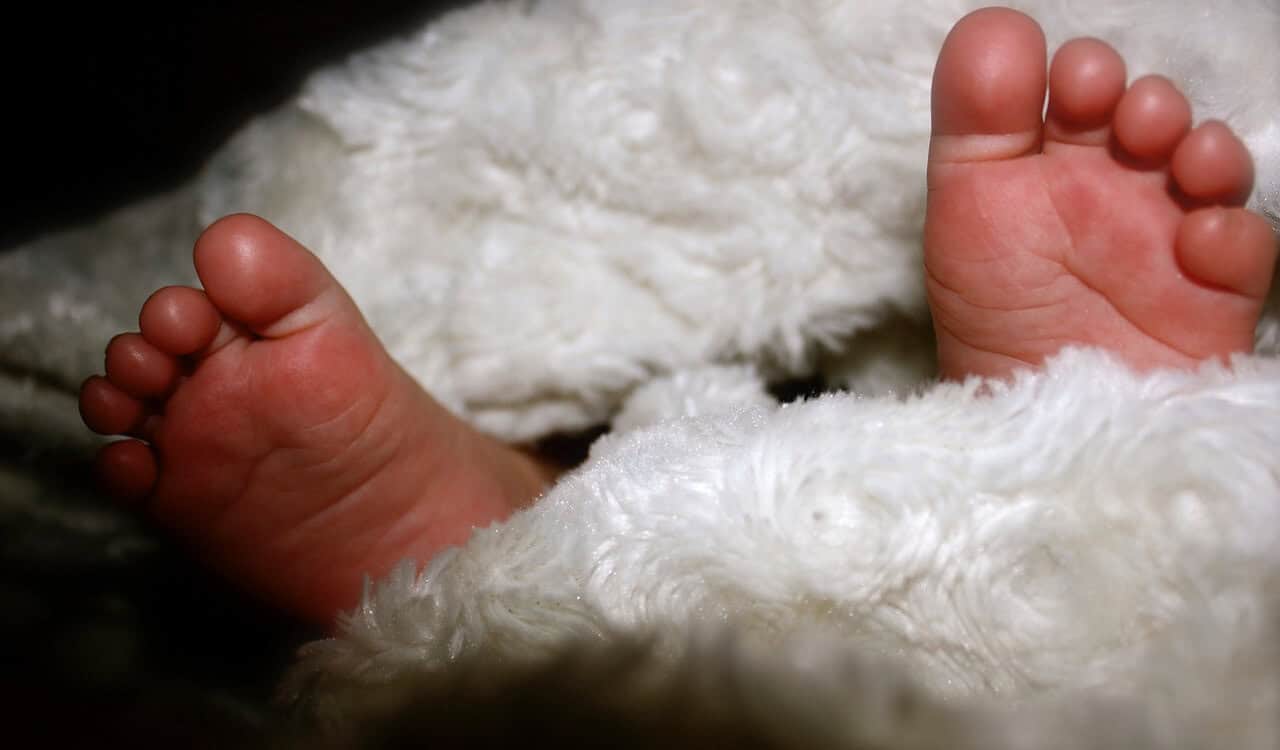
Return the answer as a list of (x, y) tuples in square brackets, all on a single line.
[(261, 277), (989, 87)]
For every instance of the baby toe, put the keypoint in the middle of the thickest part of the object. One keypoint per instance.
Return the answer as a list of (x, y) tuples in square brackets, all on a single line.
[(1212, 165), (179, 320), (139, 369), (1228, 247), (127, 469), (1152, 118)]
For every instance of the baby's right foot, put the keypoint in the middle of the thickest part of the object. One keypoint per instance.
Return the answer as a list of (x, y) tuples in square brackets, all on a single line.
[(278, 436), (1110, 223)]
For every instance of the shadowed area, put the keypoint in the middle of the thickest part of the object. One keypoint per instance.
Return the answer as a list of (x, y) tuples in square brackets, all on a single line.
[(120, 101), (110, 632)]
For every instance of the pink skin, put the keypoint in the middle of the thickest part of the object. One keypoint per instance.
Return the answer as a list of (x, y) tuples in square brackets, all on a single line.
[(275, 433), (1111, 223), (271, 429)]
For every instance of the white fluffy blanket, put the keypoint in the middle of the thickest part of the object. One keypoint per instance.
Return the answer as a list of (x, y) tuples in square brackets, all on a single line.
[(1083, 532), (562, 214)]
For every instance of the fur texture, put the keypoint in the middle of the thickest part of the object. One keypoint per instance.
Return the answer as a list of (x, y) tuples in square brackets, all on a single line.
[(1084, 530)]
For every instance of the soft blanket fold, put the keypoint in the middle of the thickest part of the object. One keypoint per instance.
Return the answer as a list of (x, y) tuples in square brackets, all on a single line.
[(1083, 529)]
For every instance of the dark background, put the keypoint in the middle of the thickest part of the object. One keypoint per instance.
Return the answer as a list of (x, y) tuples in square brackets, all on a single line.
[(106, 102), (101, 105)]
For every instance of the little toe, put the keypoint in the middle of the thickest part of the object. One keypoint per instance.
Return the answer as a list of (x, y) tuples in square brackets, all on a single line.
[(1212, 165), (1086, 81), (1229, 248), (139, 369), (261, 277), (1151, 119), (127, 469), (989, 88), (179, 320), (106, 409)]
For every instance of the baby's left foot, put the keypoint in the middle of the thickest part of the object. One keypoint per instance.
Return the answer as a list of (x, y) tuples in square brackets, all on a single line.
[(1110, 222), (278, 436)]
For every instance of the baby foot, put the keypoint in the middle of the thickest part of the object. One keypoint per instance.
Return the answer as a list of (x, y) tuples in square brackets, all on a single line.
[(1108, 223), (276, 434)]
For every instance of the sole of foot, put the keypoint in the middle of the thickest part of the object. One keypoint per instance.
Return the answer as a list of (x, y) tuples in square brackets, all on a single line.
[(1106, 221), (271, 430)]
